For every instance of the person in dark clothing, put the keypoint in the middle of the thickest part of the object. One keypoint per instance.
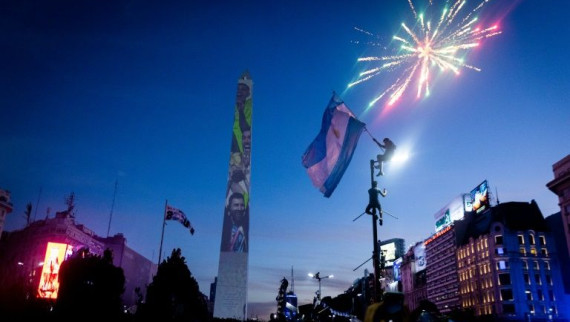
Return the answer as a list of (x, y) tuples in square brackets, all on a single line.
[(373, 202), (389, 148)]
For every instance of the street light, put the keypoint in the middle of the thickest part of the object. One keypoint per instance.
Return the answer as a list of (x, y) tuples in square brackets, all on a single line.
[(318, 277)]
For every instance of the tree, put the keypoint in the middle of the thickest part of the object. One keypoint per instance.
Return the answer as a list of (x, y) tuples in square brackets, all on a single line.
[(174, 294), (90, 285)]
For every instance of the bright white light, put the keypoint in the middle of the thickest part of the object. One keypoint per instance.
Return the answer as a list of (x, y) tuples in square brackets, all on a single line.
[(400, 157)]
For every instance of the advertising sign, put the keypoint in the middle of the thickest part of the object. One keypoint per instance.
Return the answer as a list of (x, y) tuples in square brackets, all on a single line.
[(397, 265), (420, 256), (56, 253), (454, 210), (480, 197), (389, 251)]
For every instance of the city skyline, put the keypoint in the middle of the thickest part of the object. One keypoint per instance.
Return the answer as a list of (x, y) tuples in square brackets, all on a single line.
[(144, 95)]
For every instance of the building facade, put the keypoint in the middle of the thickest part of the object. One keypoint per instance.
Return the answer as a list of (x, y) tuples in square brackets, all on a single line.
[(23, 252), (414, 284), (506, 265), (441, 270), (561, 187)]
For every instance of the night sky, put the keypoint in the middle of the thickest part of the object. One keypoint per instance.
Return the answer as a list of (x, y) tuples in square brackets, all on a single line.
[(143, 93)]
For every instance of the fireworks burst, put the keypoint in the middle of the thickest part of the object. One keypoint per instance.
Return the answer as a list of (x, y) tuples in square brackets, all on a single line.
[(427, 47)]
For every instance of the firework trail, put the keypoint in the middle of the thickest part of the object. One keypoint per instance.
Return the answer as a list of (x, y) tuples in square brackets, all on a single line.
[(425, 48)]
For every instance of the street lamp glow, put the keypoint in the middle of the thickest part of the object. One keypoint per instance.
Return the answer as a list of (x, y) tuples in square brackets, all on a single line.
[(318, 277)]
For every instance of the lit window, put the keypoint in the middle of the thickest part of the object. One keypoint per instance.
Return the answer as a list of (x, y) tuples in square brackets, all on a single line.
[(499, 251), (523, 251), (502, 265), (533, 251)]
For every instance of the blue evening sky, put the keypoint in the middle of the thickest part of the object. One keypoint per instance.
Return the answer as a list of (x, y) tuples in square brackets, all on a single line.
[(143, 93)]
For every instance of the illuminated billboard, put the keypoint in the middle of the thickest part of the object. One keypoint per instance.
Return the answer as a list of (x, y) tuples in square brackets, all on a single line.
[(454, 210), (480, 197), (56, 253), (389, 252), (397, 268), (420, 256)]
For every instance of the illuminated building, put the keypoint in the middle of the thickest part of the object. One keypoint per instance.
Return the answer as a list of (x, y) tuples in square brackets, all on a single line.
[(413, 276), (441, 269), (506, 266), (561, 187), (23, 255), (5, 207)]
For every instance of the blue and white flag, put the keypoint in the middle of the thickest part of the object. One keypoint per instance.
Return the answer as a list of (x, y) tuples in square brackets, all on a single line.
[(177, 214), (329, 154)]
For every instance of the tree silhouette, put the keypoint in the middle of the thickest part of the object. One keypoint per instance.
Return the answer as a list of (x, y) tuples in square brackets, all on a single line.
[(174, 294), (90, 286)]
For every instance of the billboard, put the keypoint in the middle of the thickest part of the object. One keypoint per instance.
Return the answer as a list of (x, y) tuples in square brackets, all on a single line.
[(454, 210), (56, 253), (389, 252), (420, 256), (397, 266), (480, 197)]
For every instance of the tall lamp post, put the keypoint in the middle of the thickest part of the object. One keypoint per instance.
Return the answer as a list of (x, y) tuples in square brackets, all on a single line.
[(318, 277), (375, 250)]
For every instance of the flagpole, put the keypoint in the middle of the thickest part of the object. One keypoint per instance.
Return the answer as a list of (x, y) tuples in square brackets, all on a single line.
[(162, 236)]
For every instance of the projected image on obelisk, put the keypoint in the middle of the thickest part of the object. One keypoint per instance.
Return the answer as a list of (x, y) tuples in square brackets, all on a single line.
[(231, 288)]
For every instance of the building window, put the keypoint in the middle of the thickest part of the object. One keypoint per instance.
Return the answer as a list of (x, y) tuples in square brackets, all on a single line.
[(502, 265), (499, 240), (547, 266), (540, 295), (542, 240), (525, 264), (506, 294), (505, 279), (535, 265), (527, 279), (537, 279), (551, 295), (531, 308), (523, 251), (544, 252), (533, 251), (521, 239), (548, 279), (499, 251), (531, 237), (528, 295)]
